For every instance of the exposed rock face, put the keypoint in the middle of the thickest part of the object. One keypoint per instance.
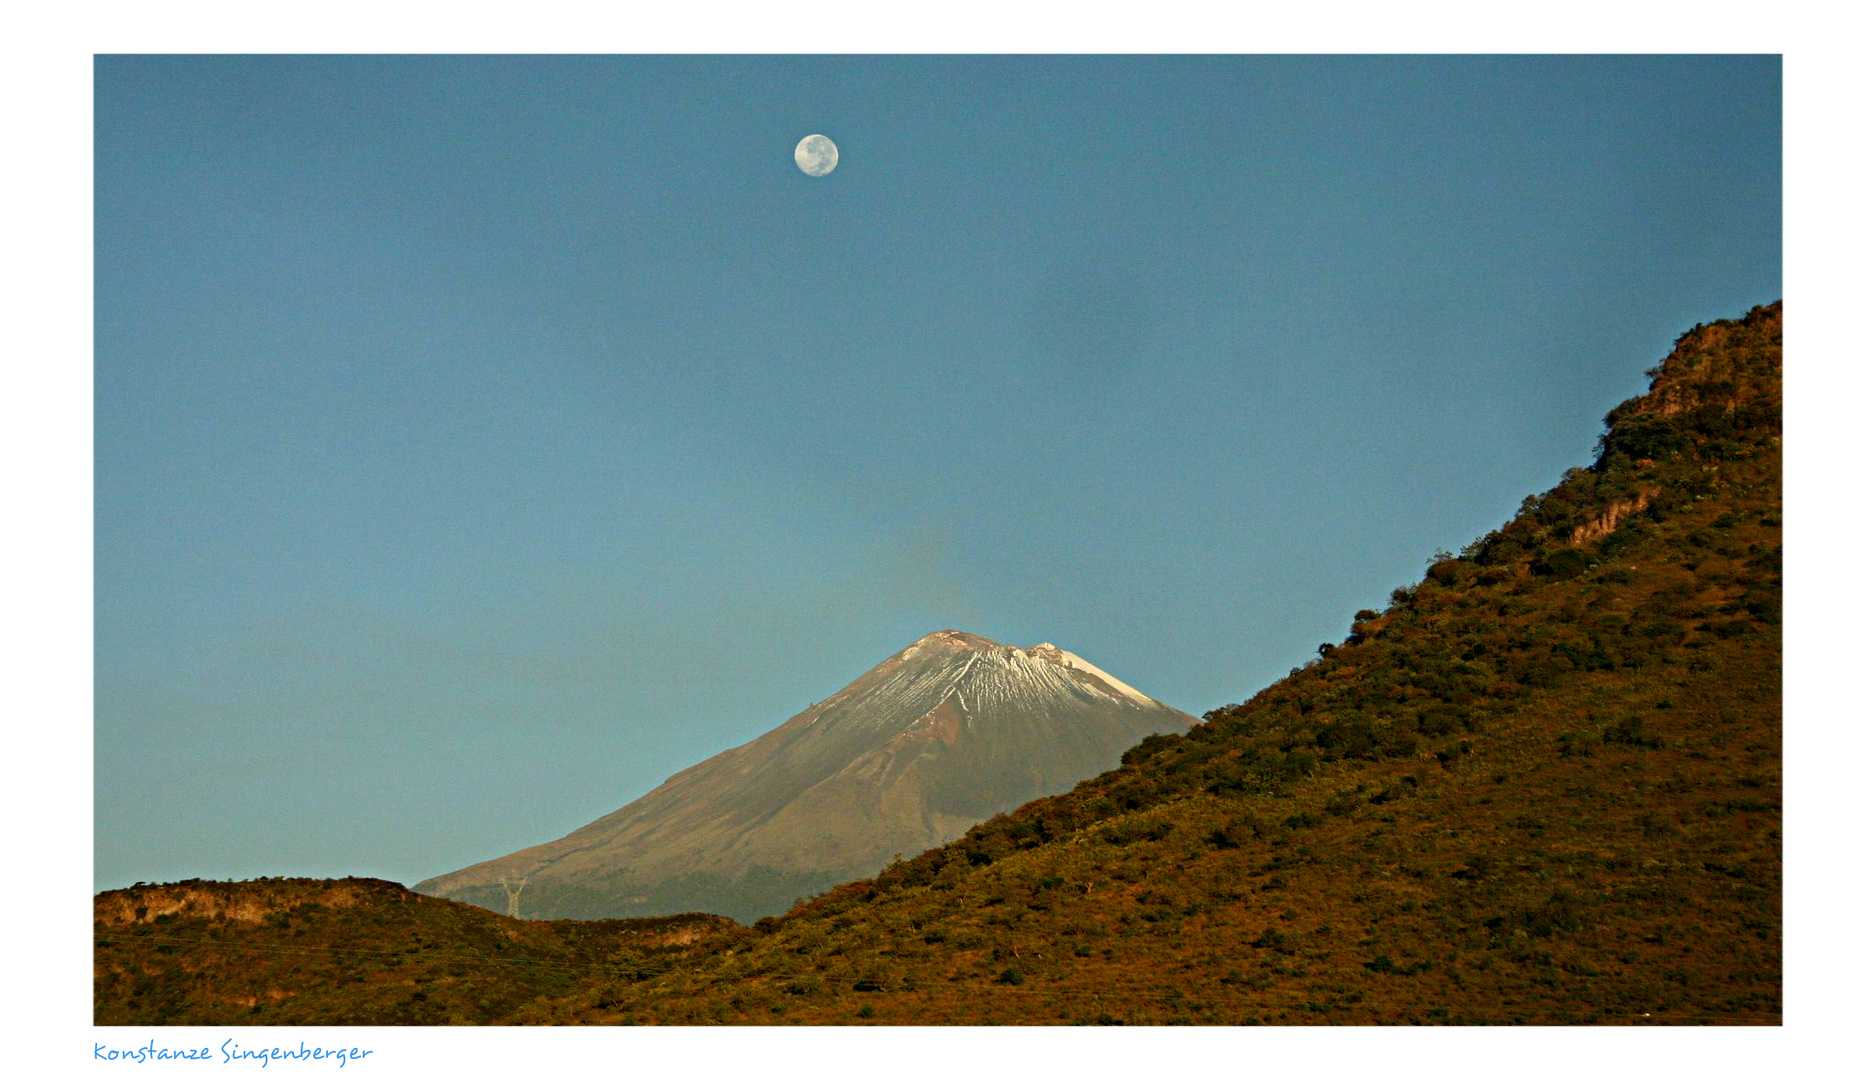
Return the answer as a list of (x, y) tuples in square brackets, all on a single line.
[(239, 902), (1604, 523), (947, 732)]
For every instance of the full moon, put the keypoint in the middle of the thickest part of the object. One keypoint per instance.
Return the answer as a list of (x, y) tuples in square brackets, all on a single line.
[(817, 155)]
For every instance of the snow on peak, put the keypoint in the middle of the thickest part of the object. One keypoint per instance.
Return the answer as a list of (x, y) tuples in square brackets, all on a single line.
[(951, 659), (1075, 663), (957, 639)]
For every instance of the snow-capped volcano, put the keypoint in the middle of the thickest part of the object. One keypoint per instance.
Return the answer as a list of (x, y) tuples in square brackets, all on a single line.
[(981, 675), (948, 731)]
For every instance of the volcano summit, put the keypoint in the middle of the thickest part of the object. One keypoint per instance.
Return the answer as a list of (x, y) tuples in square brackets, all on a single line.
[(949, 731)]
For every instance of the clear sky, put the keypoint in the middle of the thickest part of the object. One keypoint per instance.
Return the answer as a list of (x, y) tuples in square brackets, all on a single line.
[(480, 441)]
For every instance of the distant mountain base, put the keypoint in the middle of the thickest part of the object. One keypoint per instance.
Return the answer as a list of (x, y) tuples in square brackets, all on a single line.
[(760, 891)]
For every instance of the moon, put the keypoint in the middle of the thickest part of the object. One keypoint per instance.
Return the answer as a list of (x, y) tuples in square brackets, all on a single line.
[(817, 155)]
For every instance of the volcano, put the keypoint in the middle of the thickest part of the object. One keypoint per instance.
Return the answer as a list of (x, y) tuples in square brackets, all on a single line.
[(951, 730)]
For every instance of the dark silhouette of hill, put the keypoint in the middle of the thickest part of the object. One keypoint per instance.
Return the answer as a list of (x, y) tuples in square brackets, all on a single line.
[(1542, 785)]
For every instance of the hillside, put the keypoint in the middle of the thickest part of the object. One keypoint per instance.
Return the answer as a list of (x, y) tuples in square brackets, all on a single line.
[(940, 735), (355, 951), (1542, 785)]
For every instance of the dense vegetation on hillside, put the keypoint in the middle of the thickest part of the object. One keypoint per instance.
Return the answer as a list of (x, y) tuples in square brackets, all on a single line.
[(1542, 785)]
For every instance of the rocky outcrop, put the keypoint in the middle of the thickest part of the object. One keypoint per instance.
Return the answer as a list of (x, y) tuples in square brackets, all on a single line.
[(1605, 523)]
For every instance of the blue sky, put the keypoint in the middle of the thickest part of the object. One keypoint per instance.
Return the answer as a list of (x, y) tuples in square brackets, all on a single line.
[(479, 441)]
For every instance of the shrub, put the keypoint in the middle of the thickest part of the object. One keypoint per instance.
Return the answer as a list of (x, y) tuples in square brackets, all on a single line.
[(1347, 738), (1567, 563), (1134, 830), (1447, 571), (1231, 835), (1574, 744), (1345, 802), (1440, 720), (1651, 437), (1147, 747), (1297, 764), (1628, 732)]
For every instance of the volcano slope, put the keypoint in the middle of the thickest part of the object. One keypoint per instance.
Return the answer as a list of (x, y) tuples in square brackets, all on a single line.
[(941, 735), (1543, 785)]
